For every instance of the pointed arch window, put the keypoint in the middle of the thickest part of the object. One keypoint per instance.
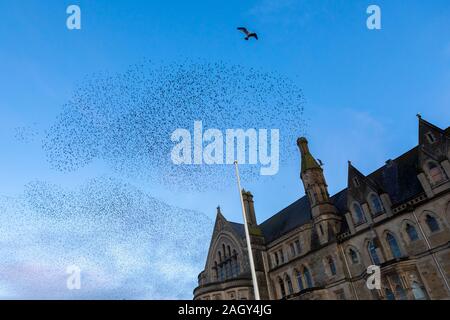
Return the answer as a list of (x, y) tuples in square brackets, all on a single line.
[(331, 266), (228, 264), (277, 261), (418, 292), (282, 288), (289, 284), (412, 232), (281, 255), (377, 205), (400, 292), (359, 214), (293, 253), (393, 245), (221, 273), (235, 264), (308, 279), (432, 223), (389, 294), (373, 253), (299, 280), (353, 256), (435, 173), (215, 271), (228, 269), (298, 248)]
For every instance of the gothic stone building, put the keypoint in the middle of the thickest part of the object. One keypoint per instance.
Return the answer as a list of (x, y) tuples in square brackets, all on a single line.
[(320, 246)]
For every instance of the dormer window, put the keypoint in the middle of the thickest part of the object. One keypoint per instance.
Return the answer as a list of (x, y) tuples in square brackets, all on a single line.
[(376, 204), (430, 137), (435, 173), (358, 214), (356, 182)]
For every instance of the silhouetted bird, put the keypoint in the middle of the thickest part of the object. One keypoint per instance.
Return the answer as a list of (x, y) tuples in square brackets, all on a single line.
[(248, 34), (320, 162)]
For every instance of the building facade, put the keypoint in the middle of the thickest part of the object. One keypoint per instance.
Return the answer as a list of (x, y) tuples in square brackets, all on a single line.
[(320, 247)]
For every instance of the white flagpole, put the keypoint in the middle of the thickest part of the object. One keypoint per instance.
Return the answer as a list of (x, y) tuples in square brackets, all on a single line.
[(247, 236)]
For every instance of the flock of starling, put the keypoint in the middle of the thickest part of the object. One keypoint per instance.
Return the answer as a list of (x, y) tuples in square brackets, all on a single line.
[(126, 119), (117, 234)]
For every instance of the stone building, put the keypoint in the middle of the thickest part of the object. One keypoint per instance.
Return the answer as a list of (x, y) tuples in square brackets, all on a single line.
[(320, 246)]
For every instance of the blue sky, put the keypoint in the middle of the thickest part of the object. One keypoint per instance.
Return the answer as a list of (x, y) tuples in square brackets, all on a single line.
[(362, 88)]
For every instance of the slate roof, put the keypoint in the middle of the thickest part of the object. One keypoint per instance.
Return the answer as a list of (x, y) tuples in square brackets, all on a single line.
[(398, 178), (239, 228), (287, 219)]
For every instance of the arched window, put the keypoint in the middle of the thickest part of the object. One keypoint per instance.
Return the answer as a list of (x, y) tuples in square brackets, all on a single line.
[(389, 294), (289, 284), (353, 256), (232, 267), (282, 288), (235, 264), (236, 269), (298, 274), (377, 206), (412, 232), (373, 253), (281, 255), (432, 223), (298, 247), (228, 264), (221, 275), (359, 215), (393, 245), (277, 261), (418, 292), (401, 294), (308, 279), (321, 229), (228, 269), (331, 266), (292, 250), (435, 173), (215, 271)]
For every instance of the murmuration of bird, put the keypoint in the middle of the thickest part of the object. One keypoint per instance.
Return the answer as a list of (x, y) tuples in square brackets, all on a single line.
[(126, 119)]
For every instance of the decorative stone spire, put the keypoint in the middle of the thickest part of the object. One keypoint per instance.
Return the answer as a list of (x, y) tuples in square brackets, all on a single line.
[(308, 161), (324, 214)]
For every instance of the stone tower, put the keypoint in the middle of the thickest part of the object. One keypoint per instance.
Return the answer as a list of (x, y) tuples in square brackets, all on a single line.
[(257, 242), (326, 220)]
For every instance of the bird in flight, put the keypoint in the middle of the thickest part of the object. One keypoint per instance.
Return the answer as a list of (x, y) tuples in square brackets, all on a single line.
[(248, 34)]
